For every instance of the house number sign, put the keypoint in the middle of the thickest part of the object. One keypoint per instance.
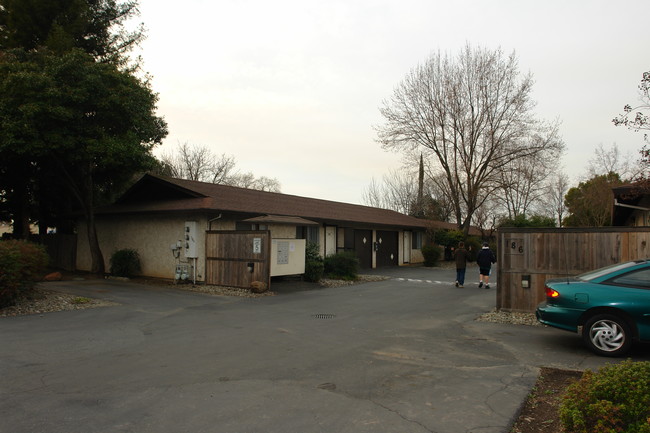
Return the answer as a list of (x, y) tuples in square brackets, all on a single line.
[(515, 246), (257, 245)]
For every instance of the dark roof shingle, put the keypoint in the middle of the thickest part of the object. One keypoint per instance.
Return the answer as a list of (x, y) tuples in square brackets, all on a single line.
[(188, 195)]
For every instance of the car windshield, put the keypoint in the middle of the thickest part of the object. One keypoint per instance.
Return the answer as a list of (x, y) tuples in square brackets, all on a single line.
[(591, 275)]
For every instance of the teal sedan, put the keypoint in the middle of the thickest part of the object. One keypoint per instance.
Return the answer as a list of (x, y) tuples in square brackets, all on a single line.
[(609, 307)]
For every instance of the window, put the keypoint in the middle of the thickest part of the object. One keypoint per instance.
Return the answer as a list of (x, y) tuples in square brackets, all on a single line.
[(348, 239), (640, 278), (310, 233), (597, 273), (416, 240)]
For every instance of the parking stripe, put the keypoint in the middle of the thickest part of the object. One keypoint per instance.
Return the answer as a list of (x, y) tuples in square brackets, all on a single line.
[(451, 283)]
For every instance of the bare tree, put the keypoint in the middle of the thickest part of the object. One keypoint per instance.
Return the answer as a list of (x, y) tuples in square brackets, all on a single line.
[(398, 192), (248, 180), (196, 162), (556, 190), (402, 191), (486, 218), (472, 115), (636, 118), (373, 195), (610, 160), (438, 190), (522, 184)]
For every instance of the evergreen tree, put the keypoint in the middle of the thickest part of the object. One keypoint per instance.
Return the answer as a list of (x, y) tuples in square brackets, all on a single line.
[(75, 122)]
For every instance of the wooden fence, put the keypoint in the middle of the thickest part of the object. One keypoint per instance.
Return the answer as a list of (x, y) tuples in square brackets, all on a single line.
[(528, 257), (238, 258), (62, 249)]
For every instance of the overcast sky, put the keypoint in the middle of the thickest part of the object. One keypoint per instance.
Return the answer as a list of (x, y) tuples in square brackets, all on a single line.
[(292, 89)]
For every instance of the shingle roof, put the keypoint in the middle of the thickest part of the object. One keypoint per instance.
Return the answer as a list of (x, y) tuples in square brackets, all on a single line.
[(150, 192), (280, 219)]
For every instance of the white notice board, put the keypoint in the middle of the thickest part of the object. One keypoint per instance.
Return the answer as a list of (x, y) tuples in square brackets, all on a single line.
[(287, 257)]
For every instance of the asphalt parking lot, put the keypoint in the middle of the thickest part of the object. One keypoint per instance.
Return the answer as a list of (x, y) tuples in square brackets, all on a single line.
[(401, 355)]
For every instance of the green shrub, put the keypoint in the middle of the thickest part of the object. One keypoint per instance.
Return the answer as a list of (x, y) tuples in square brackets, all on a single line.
[(343, 266), (314, 266), (448, 238), (523, 221), (22, 263), (432, 254), (314, 270), (125, 263), (615, 399)]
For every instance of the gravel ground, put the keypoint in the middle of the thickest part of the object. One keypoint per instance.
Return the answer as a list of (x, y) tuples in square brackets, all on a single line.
[(245, 293), (42, 301), (506, 317)]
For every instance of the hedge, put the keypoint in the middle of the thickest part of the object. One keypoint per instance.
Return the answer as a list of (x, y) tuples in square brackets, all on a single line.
[(22, 263)]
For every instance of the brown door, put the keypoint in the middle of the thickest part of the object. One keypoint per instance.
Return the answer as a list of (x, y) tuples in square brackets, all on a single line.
[(363, 247), (387, 243)]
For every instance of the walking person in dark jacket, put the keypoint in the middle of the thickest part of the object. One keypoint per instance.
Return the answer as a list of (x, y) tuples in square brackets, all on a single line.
[(460, 255), (484, 260)]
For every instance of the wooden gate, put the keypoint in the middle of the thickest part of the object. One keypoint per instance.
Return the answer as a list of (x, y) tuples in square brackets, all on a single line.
[(238, 258), (528, 257), (62, 249)]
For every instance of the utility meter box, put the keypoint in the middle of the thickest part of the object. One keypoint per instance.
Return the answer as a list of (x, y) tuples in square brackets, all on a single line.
[(287, 257), (190, 239)]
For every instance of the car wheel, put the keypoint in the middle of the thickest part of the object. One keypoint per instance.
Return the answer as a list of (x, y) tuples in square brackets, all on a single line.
[(607, 335)]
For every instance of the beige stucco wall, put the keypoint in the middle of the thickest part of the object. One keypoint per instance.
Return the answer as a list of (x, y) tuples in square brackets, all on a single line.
[(151, 236), (282, 231), (416, 256)]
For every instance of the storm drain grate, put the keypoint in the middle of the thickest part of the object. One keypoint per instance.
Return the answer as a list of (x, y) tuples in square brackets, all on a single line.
[(324, 316)]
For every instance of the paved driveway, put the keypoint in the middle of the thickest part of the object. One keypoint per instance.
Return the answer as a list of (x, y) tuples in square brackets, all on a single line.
[(401, 355)]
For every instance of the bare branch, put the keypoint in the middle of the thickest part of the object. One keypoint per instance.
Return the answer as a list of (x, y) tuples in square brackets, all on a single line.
[(472, 115), (636, 118), (196, 162)]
